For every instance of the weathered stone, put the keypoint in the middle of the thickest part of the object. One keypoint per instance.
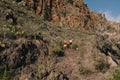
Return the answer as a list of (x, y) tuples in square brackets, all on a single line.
[(59, 11)]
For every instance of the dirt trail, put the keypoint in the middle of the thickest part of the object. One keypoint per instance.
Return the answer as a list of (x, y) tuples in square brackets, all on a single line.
[(69, 64)]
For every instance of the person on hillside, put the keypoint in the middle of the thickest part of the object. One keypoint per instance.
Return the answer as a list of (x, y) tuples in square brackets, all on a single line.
[(65, 44), (70, 43)]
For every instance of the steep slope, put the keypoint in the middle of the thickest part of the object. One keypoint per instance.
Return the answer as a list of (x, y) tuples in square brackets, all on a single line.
[(71, 13), (32, 35)]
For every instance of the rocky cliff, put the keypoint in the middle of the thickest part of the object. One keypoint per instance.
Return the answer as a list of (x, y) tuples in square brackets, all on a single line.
[(71, 13)]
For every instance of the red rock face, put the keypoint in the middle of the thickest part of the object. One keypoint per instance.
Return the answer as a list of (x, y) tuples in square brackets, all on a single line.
[(71, 14)]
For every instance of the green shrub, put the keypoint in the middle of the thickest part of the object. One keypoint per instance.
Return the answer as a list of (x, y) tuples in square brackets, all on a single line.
[(102, 65), (6, 75), (70, 1), (2, 46), (74, 46), (116, 76), (56, 50), (11, 31), (82, 51), (41, 69), (83, 70)]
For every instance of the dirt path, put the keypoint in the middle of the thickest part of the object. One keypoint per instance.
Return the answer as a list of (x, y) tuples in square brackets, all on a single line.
[(69, 64)]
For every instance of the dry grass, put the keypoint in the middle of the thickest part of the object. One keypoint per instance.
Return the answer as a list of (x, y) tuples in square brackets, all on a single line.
[(101, 63), (84, 70)]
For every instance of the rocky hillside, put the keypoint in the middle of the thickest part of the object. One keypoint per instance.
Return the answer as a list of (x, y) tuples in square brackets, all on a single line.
[(71, 13), (32, 35)]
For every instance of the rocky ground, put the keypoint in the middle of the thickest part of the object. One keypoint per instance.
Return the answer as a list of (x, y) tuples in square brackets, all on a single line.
[(31, 44)]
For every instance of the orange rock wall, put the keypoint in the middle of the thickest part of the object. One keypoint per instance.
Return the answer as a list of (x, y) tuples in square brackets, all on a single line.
[(75, 14)]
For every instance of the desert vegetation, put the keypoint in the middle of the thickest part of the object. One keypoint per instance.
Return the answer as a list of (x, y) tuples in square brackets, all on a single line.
[(32, 45)]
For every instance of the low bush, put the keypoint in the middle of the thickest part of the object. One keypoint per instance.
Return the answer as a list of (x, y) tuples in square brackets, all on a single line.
[(70, 1), (56, 50), (102, 65), (83, 70), (6, 75), (116, 76)]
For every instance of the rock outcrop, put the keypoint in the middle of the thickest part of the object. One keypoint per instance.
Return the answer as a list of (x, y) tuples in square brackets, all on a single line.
[(71, 13), (21, 52), (108, 41)]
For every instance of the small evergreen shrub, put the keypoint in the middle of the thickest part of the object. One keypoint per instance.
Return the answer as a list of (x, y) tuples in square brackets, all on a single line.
[(83, 70), (102, 65)]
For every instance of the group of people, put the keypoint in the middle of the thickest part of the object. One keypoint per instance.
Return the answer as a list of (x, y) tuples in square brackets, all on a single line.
[(67, 44)]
